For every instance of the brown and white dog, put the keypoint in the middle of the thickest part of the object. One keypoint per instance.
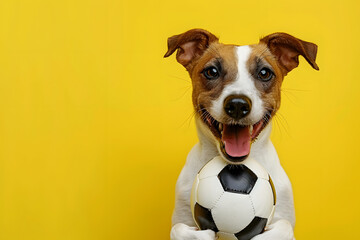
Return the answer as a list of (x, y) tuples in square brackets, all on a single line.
[(236, 92)]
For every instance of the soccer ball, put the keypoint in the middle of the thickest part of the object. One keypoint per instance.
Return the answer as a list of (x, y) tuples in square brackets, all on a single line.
[(235, 201)]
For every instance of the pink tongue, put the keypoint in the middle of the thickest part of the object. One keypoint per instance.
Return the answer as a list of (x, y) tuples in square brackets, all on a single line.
[(237, 140)]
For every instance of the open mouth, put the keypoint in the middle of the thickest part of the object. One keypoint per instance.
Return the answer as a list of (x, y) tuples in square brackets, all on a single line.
[(235, 139)]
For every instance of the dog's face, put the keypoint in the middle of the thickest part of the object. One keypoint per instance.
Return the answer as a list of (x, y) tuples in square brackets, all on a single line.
[(236, 89)]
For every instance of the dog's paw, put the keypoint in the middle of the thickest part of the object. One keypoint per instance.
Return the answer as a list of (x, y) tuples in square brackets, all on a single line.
[(279, 230), (182, 231)]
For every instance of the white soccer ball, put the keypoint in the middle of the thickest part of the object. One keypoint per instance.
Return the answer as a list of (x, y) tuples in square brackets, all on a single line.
[(235, 201)]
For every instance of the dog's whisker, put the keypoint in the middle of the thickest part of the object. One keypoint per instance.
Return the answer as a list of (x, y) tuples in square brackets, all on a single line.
[(183, 94), (180, 78), (276, 121), (281, 119), (287, 96), (294, 90), (188, 119)]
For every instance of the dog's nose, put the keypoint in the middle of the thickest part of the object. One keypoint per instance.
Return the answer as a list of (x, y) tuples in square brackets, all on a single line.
[(237, 106)]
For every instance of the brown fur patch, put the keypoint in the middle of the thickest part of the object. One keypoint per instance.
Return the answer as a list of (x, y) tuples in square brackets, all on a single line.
[(270, 91), (205, 91)]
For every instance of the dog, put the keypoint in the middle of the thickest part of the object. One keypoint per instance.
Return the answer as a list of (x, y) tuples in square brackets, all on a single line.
[(236, 93)]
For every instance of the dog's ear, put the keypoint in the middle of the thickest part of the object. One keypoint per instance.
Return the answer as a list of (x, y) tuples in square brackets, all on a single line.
[(189, 45), (288, 48)]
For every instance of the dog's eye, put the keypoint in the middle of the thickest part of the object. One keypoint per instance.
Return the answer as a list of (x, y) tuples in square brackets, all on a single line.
[(211, 73), (265, 74)]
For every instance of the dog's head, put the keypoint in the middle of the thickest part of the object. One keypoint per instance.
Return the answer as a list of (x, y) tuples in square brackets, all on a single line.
[(236, 89)]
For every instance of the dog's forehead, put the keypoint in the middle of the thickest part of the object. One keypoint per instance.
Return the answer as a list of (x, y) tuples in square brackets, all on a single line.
[(250, 55), (232, 56), (243, 54), (226, 53)]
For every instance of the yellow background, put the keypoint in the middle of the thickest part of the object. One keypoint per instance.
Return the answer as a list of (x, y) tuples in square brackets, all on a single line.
[(95, 125)]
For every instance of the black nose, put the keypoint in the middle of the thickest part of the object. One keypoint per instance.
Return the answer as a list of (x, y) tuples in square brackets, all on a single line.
[(237, 106)]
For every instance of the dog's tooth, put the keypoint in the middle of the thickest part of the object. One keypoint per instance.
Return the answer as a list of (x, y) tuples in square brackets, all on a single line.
[(220, 127), (251, 129)]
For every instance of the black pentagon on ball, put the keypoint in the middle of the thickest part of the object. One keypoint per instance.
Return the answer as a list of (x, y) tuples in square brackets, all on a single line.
[(254, 228), (204, 218), (237, 179)]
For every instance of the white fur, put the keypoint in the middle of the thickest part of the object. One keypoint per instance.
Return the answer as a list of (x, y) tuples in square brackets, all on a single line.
[(281, 226), (243, 85)]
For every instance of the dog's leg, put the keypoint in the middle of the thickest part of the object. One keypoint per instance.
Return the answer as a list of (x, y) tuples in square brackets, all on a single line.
[(184, 227), (282, 224), (279, 230), (182, 231)]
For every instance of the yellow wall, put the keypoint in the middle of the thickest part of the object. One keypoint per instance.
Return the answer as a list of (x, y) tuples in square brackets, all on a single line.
[(95, 125)]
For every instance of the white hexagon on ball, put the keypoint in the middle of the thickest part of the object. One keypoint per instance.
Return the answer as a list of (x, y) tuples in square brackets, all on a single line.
[(230, 209)]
